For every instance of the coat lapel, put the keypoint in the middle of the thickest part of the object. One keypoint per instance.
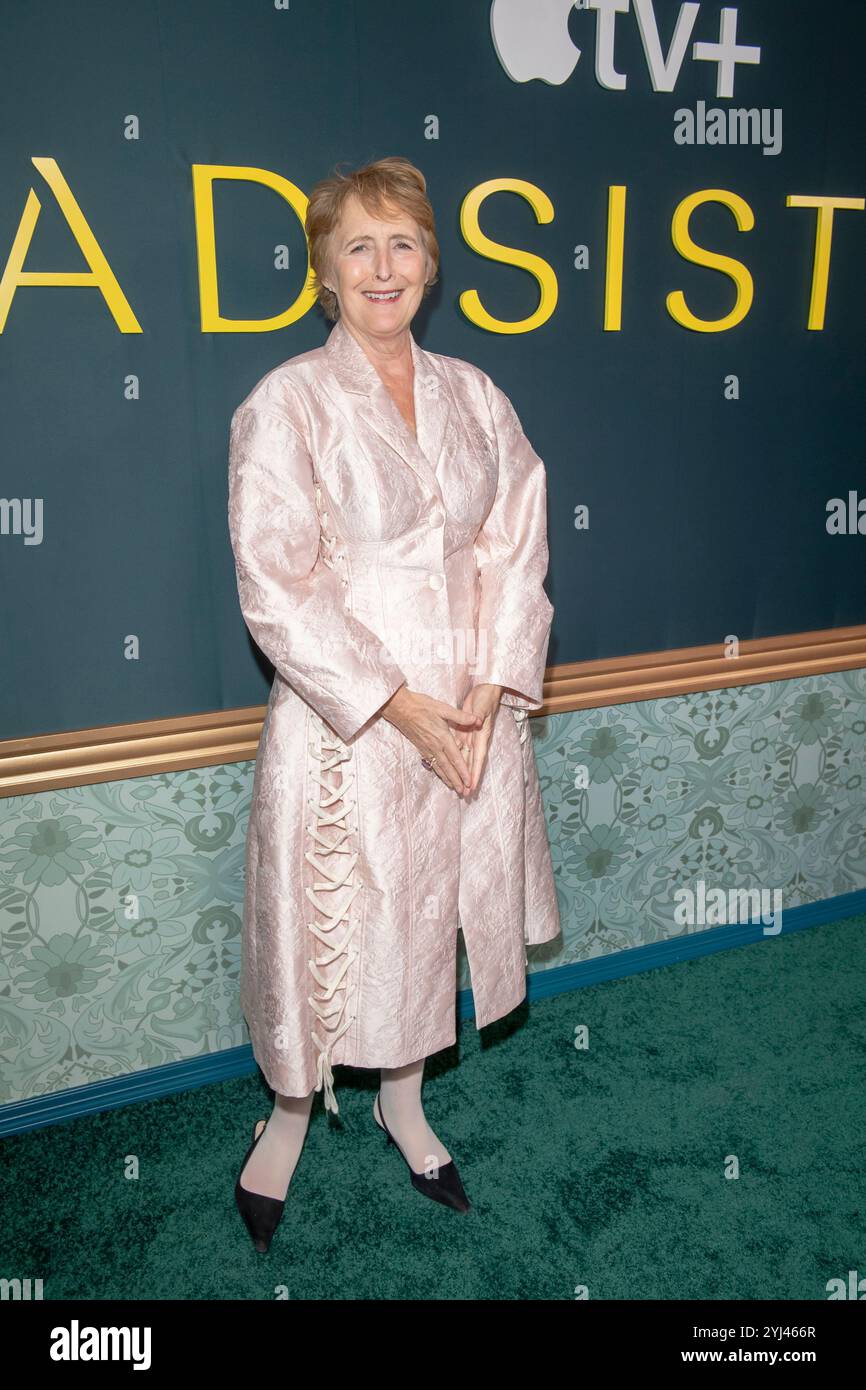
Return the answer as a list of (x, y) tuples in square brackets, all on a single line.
[(356, 374)]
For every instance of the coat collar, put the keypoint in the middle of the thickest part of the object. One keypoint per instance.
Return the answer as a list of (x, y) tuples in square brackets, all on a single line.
[(355, 373)]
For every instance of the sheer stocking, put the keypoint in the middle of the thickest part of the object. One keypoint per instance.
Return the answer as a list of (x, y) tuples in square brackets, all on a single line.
[(401, 1109), (274, 1159)]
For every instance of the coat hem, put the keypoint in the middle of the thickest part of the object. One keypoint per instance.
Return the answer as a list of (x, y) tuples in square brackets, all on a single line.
[(292, 1088)]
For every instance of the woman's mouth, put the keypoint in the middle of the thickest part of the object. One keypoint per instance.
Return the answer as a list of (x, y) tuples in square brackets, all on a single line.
[(384, 297)]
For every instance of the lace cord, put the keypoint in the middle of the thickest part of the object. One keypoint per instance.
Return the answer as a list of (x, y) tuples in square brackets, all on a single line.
[(331, 556), (335, 863), (331, 754)]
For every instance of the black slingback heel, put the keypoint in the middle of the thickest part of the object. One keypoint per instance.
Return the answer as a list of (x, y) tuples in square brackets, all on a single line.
[(261, 1214), (446, 1187)]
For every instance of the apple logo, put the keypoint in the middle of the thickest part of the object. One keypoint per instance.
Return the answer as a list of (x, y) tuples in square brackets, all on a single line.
[(531, 39)]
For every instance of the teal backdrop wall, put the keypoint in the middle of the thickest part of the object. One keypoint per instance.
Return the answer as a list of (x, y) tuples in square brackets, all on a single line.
[(705, 460)]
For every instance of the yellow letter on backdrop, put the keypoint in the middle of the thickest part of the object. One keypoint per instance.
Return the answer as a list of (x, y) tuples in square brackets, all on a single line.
[(613, 266), (212, 321), (823, 244), (474, 237), (676, 303), (100, 272)]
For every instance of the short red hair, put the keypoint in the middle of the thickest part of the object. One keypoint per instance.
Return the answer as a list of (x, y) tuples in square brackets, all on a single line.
[(386, 184)]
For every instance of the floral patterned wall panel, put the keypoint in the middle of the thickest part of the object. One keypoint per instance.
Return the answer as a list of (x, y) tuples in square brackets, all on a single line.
[(121, 903)]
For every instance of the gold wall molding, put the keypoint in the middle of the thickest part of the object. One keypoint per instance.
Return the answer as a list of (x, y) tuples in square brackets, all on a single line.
[(116, 751)]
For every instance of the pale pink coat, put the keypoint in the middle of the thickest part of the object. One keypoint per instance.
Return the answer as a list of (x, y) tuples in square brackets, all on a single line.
[(365, 559)]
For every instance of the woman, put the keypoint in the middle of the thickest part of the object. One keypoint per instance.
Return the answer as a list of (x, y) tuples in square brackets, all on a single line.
[(387, 517)]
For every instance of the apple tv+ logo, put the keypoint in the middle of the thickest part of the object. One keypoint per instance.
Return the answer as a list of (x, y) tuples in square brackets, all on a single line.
[(532, 41)]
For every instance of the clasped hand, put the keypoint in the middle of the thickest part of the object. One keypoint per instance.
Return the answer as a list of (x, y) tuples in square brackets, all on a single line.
[(426, 722)]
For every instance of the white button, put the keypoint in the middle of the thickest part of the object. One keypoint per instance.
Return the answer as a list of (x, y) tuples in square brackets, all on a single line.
[(436, 581), (437, 517)]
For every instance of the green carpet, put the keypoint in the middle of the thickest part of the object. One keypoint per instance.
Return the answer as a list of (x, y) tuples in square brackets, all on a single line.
[(602, 1168)]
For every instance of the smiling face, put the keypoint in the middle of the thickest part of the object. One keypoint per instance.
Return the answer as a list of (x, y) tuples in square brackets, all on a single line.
[(378, 270)]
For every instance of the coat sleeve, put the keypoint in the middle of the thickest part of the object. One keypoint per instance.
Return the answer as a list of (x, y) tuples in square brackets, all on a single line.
[(511, 552), (293, 602)]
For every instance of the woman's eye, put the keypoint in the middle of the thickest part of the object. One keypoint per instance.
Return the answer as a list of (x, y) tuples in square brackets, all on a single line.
[(360, 246)]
